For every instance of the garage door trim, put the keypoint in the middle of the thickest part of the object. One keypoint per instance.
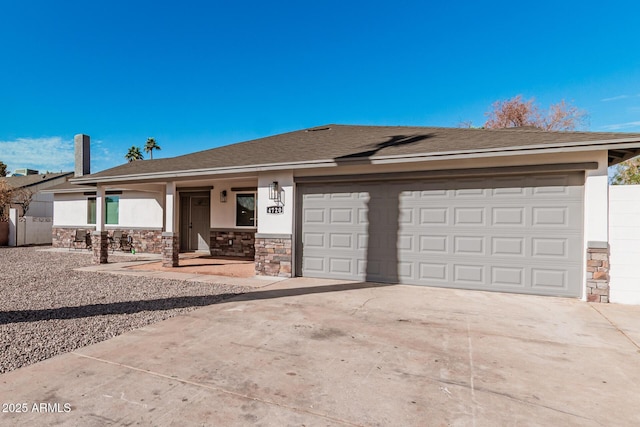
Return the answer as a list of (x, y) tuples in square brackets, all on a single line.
[(450, 173)]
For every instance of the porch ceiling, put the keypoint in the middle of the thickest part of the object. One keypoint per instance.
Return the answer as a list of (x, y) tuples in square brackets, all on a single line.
[(620, 155)]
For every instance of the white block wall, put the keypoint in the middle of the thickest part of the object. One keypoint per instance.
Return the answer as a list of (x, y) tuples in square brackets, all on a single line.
[(34, 231), (624, 240)]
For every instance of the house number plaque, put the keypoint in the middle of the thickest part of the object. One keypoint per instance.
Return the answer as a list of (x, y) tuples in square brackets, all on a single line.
[(275, 209)]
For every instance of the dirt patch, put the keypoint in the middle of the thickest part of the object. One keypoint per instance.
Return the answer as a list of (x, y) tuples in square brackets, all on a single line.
[(230, 267)]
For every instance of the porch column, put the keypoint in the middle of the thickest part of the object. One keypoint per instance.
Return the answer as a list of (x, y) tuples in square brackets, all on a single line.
[(274, 210), (596, 230), (170, 240), (99, 238)]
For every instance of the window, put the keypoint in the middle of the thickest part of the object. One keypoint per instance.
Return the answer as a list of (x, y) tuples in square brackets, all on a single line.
[(113, 206), (112, 210), (245, 210), (91, 210)]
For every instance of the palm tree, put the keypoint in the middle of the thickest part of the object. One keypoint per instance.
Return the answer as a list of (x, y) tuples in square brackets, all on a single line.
[(134, 154), (150, 146)]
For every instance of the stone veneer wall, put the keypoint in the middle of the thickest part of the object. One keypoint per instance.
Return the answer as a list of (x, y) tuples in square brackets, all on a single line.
[(170, 249), (61, 237), (145, 241), (243, 242), (100, 247), (598, 272), (273, 255)]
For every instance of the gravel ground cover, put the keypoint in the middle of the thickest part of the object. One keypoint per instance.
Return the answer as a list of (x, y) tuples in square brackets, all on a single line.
[(46, 308)]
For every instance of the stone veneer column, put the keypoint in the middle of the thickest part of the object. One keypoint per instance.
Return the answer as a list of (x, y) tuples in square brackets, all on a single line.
[(598, 272), (100, 246), (273, 255), (170, 249)]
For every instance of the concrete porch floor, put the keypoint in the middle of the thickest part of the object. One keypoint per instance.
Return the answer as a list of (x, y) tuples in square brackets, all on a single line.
[(193, 266), (201, 263)]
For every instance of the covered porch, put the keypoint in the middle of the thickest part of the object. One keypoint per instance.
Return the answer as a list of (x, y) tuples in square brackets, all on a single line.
[(237, 216)]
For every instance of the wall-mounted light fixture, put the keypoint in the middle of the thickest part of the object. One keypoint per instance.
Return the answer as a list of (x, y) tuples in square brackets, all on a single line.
[(274, 191), (223, 196)]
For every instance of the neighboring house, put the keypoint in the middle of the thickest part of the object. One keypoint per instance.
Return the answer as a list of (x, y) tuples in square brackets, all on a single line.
[(31, 222), (511, 210), (41, 204)]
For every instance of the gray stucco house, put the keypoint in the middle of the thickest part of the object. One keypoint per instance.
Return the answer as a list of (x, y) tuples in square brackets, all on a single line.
[(510, 210)]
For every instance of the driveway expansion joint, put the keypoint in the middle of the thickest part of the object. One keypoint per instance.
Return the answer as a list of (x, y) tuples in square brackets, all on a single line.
[(219, 390), (635, 344)]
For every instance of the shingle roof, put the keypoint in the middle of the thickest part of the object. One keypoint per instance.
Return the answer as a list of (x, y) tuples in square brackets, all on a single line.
[(68, 187), (345, 142), (29, 180)]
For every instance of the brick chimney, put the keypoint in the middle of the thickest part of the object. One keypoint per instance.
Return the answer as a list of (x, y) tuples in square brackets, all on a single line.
[(83, 156)]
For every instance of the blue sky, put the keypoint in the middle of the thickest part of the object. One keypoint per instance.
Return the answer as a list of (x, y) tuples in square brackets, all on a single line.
[(199, 74)]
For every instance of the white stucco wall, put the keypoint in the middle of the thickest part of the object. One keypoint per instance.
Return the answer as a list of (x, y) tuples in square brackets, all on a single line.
[(276, 223), (136, 209), (596, 202), (70, 210), (223, 214), (140, 210), (624, 233)]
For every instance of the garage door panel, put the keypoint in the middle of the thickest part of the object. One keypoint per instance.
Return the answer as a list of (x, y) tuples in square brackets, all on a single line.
[(314, 216), (433, 244), (432, 194), (341, 216), (508, 276), (406, 216), (549, 278), (314, 264), (474, 216), (550, 247), (314, 240), (342, 265), (469, 245), (434, 216), (344, 195), (500, 234), (509, 246), (508, 216), (470, 192), (405, 271), (341, 241), (550, 216), (362, 216), (433, 272), (406, 243), (468, 274)]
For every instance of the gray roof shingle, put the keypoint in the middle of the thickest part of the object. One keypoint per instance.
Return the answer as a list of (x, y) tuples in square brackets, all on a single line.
[(29, 180), (345, 142)]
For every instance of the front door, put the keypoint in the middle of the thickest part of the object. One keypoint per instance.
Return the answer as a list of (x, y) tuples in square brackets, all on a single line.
[(194, 222), (200, 230)]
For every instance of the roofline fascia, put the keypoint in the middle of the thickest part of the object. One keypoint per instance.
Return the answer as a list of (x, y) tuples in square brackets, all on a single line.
[(401, 158)]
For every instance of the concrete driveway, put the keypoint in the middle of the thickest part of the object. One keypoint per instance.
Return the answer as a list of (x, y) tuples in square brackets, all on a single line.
[(316, 352)]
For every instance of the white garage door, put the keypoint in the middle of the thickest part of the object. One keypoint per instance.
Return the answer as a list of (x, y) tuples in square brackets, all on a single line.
[(514, 234)]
